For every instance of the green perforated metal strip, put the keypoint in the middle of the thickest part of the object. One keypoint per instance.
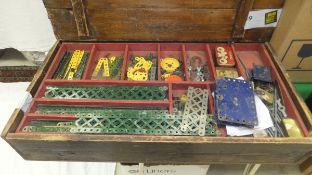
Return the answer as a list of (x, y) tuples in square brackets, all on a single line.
[(107, 92), (47, 109), (141, 124), (118, 121)]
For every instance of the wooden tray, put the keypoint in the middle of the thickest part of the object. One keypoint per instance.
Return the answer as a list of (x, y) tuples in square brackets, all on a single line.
[(117, 25)]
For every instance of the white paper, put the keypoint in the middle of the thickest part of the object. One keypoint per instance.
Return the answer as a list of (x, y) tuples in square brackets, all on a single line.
[(25, 26), (25, 102), (256, 19)]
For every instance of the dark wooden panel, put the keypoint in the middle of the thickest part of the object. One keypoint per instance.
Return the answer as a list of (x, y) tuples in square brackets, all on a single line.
[(79, 13), (161, 24), (167, 31), (306, 166), (63, 23), (259, 34), (211, 4), (207, 16), (61, 16), (241, 16), (268, 4), (57, 4), (259, 4), (176, 20)]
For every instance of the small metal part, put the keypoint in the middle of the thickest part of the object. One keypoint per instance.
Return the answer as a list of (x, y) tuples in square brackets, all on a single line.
[(223, 72), (262, 73), (189, 68), (30, 128), (265, 92), (281, 108), (277, 119), (153, 73)]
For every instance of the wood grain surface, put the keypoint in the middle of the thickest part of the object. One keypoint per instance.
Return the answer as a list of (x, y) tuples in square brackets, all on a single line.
[(157, 20)]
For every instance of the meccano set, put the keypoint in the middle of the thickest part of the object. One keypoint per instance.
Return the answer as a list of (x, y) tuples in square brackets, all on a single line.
[(161, 89)]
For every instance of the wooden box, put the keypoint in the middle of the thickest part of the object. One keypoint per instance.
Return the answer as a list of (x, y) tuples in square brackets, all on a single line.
[(174, 26)]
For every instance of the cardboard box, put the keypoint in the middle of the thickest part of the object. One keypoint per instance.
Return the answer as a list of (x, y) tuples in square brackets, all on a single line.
[(122, 169), (292, 40)]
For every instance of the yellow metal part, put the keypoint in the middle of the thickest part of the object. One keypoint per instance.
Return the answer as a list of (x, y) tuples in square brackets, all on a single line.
[(106, 68), (73, 64), (170, 64), (226, 72), (112, 59), (97, 67), (139, 71), (165, 76)]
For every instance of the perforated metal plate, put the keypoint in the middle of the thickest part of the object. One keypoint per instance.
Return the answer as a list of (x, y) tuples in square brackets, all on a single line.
[(195, 110), (140, 124), (235, 103), (107, 92)]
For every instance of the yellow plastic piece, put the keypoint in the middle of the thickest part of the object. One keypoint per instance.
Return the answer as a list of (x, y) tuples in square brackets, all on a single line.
[(292, 128), (183, 99), (169, 64)]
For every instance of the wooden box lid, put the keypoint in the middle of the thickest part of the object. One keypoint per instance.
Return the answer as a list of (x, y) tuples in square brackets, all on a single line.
[(157, 20)]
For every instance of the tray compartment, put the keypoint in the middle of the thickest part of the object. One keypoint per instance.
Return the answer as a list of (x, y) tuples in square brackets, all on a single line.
[(261, 56), (238, 66), (58, 111), (142, 61), (89, 89), (58, 65), (109, 51), (197, 56), (173, 62)]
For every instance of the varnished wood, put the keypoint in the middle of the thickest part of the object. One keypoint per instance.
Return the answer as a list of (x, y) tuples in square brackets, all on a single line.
[(38, 77), (80, 18), (306, 166), (13, 122), (159, 149), (258, 4), (268, 4), (241, 17), (163, 20), (57, 4), (63, 23)]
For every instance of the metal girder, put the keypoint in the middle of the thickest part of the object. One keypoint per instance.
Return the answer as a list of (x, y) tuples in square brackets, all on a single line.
[(107, 92)]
